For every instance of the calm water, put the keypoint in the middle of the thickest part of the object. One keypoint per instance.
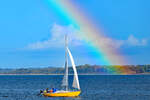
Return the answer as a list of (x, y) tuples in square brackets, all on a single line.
[(94, 87)]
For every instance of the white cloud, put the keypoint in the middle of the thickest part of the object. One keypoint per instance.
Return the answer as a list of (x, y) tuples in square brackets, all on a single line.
[(57, 37), (130, 41), (133, 41), (58, 33)]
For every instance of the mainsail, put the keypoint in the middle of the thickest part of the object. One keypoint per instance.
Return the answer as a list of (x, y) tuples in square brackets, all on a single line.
[(75, 80)]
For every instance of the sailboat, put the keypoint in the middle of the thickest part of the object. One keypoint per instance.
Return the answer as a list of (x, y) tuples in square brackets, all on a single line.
[(66, 92)]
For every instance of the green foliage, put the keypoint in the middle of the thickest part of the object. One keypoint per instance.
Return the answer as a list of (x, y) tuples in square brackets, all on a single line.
[(82, 69)]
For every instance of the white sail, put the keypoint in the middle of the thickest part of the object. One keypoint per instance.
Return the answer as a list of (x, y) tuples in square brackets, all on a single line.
[(65, 78), (75, 80)]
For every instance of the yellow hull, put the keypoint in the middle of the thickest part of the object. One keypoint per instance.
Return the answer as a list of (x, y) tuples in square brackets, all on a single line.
[(63, 94)]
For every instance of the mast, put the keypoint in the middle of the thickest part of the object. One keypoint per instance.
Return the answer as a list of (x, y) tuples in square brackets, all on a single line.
[(65, 79), (66, 62)]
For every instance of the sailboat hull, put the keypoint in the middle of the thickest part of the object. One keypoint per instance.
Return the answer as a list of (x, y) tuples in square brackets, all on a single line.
[(63, 94)]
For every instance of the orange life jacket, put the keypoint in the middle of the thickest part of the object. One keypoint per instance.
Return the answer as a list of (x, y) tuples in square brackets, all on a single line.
[(51, 91)]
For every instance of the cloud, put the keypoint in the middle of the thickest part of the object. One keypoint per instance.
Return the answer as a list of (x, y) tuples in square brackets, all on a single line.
[(133, 41), (57, 37), (130, 41), (58, 32), (116, 43)]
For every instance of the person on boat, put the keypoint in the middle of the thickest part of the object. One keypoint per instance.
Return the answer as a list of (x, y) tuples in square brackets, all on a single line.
[(54, 90), (51, 91), (47, 90)]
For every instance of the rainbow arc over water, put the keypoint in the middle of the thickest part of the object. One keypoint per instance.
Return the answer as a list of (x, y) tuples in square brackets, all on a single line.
[(92, 34)]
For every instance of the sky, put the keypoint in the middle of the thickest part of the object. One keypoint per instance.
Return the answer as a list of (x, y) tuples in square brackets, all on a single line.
[(32, 32)]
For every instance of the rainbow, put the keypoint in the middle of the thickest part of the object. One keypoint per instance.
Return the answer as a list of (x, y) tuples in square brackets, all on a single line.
[(115, 70), (92, 34)]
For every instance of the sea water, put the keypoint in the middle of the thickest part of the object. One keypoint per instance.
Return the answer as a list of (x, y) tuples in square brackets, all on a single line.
[(93, 87)]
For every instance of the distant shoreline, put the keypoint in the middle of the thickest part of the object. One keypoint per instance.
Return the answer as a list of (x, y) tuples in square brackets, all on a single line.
[(82, 70), (63, 74)]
